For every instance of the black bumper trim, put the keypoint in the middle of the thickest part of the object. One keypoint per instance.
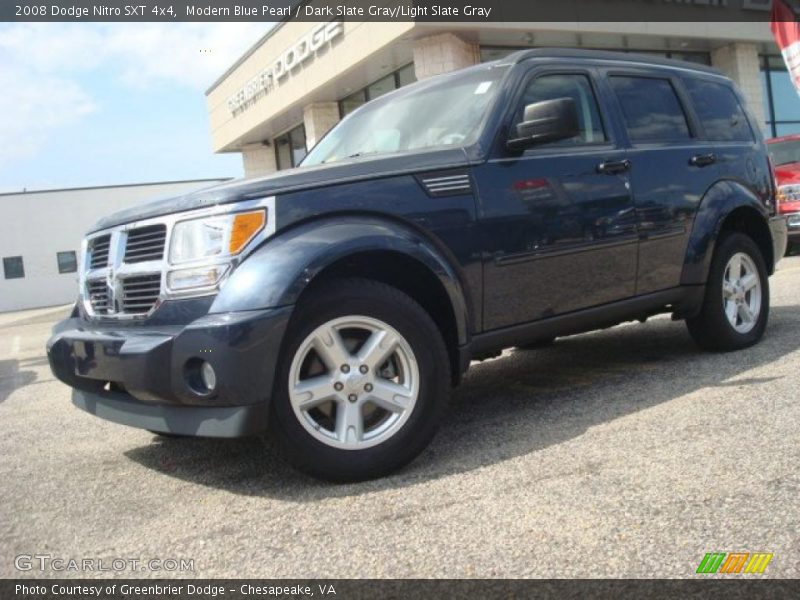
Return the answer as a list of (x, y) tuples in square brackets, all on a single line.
[(200, 421)]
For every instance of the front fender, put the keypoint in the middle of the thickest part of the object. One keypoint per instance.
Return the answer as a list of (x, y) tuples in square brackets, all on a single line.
[(277, 273), (720, 200)]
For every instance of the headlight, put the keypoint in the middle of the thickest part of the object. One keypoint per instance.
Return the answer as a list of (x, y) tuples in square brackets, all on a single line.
[(198, 278), (214, 237), (209, 244)]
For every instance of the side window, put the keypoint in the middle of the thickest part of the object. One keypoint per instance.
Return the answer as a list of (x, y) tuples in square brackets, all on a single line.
[(719, 109), (577, 87), (651, 108)]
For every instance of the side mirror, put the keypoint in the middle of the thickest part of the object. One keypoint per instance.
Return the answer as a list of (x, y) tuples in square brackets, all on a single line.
[(547, 121)]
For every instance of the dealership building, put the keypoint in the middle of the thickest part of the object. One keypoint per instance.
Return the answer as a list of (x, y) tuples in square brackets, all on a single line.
[(302, 77)]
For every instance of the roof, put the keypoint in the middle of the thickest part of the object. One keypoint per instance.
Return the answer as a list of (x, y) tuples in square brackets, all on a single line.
[(628, 57)]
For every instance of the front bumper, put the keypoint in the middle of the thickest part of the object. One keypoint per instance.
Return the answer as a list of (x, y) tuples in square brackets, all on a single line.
[(140, 375)]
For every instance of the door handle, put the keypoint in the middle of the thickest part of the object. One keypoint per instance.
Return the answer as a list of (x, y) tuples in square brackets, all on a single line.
[(612, 167), (702, 160)]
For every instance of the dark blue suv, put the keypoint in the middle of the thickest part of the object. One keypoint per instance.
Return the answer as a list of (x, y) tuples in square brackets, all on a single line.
[(336, 304)]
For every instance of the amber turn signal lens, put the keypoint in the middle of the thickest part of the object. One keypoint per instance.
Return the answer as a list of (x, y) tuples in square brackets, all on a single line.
[(245, 226)]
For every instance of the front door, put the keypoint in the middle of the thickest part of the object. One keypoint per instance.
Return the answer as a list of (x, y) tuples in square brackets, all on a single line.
[(558, 222)]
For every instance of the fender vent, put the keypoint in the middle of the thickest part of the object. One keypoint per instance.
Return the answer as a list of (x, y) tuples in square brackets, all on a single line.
[(446, 183)]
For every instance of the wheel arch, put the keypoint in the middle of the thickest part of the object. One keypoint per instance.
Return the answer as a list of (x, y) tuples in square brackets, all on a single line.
[(726, 206), (294, 263)]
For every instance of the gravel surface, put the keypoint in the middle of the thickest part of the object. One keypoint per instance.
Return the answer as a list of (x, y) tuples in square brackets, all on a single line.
[(621, 453)]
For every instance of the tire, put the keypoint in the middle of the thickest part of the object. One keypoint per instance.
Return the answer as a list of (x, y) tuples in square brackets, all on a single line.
[(791, 248), (319, 426), (714, 329)]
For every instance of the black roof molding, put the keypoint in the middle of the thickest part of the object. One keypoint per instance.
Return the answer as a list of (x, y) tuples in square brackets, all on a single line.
[(606, 55)]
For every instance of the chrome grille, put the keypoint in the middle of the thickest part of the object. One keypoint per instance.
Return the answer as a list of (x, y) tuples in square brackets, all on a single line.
[(98, 251), (123, 266), (145, 243), (97, 290), (140, 293)]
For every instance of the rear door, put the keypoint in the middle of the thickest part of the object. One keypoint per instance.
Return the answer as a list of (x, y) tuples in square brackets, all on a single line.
[(671, 168), (738, 145)]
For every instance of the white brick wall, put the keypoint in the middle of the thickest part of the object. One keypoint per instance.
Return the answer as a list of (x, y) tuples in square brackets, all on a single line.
[(443, 53), (258, 160), (318, 118), (739, 61)]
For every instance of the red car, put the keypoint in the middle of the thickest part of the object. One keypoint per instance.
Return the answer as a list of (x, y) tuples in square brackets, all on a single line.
[(785, 153)]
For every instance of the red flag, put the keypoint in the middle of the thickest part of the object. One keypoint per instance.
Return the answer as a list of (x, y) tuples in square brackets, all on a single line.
[(786, 30)]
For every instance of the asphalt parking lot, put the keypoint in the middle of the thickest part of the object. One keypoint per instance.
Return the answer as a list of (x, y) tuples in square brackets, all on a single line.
[(622, 453)]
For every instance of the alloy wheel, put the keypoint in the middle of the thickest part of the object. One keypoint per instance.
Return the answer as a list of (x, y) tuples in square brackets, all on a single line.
[(741, 293), (353, 382)]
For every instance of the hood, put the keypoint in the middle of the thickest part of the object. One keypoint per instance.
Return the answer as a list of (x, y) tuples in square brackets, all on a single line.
[(291, 180), (789, 173)]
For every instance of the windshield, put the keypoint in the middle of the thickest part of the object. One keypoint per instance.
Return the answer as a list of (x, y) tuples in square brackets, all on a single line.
[(441, 112), (783, 153)]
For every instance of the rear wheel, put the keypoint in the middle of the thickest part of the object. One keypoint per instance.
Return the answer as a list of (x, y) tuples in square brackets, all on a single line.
[(363, 382), (736, 304)]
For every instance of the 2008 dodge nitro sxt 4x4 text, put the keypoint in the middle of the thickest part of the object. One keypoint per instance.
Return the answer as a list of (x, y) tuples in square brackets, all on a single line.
[(336, 304)]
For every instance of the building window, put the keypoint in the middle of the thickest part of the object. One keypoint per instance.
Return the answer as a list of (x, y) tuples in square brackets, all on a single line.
[(290, 148), (67, 262), (390, 82), (352, 102), (13, 267), (782, 105)]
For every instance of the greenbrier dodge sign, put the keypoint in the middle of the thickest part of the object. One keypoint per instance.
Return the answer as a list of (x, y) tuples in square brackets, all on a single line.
[(300, 52)]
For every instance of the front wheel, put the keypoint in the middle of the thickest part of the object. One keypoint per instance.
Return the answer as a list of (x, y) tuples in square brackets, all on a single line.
[(363, 382), (736, 305)]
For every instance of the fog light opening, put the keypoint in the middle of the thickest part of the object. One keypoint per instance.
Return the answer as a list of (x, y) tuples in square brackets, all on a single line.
[(200, 376)]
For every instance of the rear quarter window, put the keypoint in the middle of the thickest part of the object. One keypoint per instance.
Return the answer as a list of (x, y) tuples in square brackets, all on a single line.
[(719, 110)]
